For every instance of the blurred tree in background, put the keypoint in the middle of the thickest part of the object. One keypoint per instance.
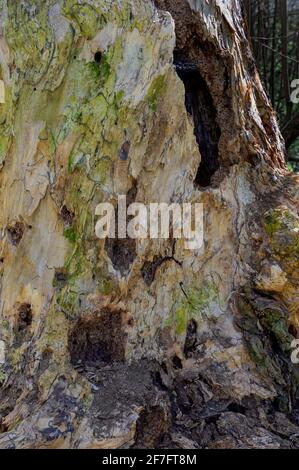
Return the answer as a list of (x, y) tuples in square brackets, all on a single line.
[(273, 26)]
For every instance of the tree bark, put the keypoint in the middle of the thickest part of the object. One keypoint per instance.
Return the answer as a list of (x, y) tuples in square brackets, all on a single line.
[(120, 343)]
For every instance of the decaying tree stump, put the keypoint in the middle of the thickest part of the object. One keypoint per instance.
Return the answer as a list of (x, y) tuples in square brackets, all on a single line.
[(142, 343)]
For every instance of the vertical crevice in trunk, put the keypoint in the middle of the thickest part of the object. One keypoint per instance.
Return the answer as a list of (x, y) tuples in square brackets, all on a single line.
[(200, 106), (204, 74)]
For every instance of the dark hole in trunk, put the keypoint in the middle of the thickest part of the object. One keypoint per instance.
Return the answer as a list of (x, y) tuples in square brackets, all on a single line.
[(191, 339), (292, 330), (15, 233), (24, 316), (237, 408), (60, 277), (122, 251), (98, 57), (200, 106), (98, 339), (66, 215), (177, 363)]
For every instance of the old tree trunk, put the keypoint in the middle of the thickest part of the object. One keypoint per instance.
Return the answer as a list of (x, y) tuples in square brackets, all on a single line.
[(142, 343)]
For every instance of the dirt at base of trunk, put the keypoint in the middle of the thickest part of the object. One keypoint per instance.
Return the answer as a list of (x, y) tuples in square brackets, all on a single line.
[(179, 409)]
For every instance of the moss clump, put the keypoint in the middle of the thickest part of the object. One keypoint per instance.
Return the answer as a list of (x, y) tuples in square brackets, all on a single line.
[(7, 114), (106, 286), (92, 113), (100, 170), (256, 351), (67, 299), (70, 234), (181, 319), (29, 36), (99, 72), (275, 321), (263, 330), (261, 355), (272, 223), (156, 89), (88, 19), (77, 104), (282, 226), (4, 146), (191, 306)]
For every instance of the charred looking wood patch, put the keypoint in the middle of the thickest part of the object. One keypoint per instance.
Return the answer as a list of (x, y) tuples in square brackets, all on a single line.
[(151, 427), (15, 233), (24, 316), (124, 151), (200, 106), (98, 338), (60, 277), (45, 360), (149, 269), (177, 362), (122, 251), (191, 339), (23, 321), (98, 57), (66, 215)]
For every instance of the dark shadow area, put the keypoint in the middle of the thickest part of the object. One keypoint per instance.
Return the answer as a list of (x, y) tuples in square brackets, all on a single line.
[(15, 233), (200, 106), (98, 57), (122, 251), (191, 339), (98, 339), (151, 426), (24, 316)]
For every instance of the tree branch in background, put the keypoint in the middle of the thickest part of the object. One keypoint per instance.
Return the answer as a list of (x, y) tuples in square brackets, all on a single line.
[(284, 57), (273, 26)]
